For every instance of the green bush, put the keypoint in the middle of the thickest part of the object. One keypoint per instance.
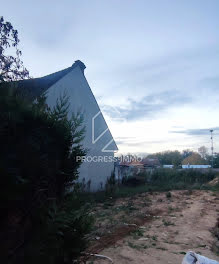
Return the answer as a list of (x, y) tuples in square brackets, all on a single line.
[(60, 233), (167, 179), (164, 180), (37, 167), (111, 184)]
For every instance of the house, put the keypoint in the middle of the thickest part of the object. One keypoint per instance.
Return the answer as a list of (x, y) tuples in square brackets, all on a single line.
[(136, 166), (126, 169), (99, 161), (123, 170), (150, 163)]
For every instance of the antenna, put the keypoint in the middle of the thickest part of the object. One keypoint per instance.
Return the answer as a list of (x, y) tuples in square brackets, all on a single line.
[(212, 148)]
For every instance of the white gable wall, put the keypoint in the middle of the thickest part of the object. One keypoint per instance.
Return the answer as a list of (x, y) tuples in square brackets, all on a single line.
[(74, 84)]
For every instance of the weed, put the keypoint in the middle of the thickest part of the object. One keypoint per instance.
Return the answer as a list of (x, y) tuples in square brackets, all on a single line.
[(189, 192), (103, 214), (167, 223), (161, 248), (137, 233), (168, 195), (131, 245), (154, 238), (170, 209), (203, 246)]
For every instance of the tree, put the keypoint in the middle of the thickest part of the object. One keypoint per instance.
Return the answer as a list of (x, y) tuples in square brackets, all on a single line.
[(203, 151), (168, 157), (194, 159), (38, 164), (11, 66), (216, 160), (186, 153)]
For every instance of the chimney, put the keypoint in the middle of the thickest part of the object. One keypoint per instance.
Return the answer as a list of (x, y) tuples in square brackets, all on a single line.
[(80, 64)]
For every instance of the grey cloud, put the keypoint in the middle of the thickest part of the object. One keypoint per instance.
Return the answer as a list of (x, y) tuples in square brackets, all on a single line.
[(144, 143), (138, 143), (159, 70), (197, 132), (122, 138), (149, 106)]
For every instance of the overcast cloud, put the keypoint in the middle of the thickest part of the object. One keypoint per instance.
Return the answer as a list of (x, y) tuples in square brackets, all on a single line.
[(152, 65)]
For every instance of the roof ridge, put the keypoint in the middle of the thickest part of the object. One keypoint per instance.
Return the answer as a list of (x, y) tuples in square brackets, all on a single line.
[(78, 63), (36, 86)]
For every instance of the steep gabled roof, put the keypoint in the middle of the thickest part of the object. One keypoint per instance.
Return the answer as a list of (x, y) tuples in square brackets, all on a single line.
[(36, 86)]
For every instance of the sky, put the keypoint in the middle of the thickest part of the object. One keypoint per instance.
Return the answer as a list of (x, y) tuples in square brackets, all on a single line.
[(153, 65)]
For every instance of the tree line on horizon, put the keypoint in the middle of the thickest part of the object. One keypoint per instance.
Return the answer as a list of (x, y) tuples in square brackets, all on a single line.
[(187, 156)]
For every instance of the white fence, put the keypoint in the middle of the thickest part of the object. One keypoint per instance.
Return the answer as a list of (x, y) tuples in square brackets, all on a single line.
[(196, 166)]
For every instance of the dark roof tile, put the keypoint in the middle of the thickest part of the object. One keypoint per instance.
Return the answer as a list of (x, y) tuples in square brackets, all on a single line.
[(34, 87)]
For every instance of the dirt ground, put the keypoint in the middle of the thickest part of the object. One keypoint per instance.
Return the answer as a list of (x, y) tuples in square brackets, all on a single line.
[(154, 227)]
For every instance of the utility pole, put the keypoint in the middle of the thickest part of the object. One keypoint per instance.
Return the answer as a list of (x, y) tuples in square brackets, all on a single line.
[(212, 148)]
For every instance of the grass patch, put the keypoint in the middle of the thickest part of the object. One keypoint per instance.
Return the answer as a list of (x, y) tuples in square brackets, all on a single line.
[(134, 246), (154, 238), (137, 233), (160, 181), (167, 223)]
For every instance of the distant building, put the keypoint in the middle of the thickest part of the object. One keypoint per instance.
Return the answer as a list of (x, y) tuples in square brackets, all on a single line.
[(133, 168), (150, 163), (123, 170)]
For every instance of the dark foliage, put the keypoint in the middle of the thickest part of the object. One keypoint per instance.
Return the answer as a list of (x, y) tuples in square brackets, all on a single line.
[(111, 184), (38, 165), (169, 179), (216, 160), (168, 195), (11, 66), (215, 232), (168, 157)]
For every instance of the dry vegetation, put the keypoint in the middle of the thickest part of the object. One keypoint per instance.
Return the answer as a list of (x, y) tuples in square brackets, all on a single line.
[(156, 227)]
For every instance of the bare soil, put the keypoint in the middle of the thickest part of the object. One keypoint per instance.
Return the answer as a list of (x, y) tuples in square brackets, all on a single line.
[(151, 228)]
